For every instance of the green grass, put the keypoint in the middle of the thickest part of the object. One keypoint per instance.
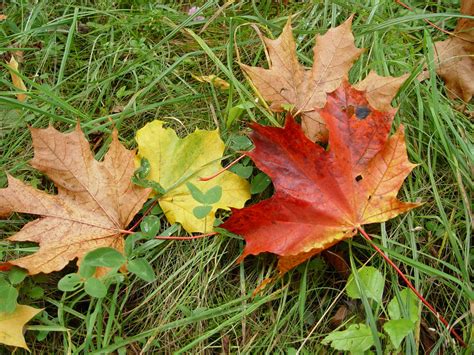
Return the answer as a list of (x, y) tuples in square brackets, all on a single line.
[(125, 63)]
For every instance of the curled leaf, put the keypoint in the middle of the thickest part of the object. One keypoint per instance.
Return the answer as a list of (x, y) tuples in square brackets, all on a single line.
[(16, 79), (219, 83)]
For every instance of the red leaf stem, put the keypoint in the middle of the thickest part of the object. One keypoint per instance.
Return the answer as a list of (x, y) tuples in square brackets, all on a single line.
[(410, 285), (207, 178), (162, 237)]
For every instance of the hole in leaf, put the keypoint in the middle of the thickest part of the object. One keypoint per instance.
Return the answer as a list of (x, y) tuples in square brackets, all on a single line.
[(358, 178), (362, 112)]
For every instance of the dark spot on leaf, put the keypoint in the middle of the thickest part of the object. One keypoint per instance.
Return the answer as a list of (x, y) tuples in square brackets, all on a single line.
[(358, 178), (369, 198), (362, 112)]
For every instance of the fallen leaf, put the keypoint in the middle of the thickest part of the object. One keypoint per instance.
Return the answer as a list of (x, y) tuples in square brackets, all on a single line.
[(323, 196), (219, 83), (455, 57), (95, 200), (3, 17), (11, 325), (16, 79), (287, 83), (174, 162), (381, 90), (118, 108), (338, 261), (339, 317)]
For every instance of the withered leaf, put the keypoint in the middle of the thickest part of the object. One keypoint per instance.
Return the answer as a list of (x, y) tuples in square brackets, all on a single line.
[(455, 57), (381, 90), (16, 79), (288, 83), (95, 200)]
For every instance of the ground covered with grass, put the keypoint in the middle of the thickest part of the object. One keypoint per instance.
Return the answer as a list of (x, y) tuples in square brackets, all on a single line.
[(125, 63)]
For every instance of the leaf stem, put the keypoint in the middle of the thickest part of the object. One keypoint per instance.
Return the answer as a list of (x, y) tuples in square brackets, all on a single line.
[(132, 228), (162, 237), (207, 178), (410, 285)]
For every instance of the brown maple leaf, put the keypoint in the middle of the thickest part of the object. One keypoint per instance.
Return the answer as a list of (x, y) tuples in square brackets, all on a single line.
[(287, 82), (455, 57), (95, 200), (324, 196)]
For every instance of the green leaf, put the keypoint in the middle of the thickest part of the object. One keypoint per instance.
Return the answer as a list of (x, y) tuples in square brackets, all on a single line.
[(143, 170), (157, 188), (139, 177), (156, 210), (16, 275), (408, 309), (35, 292), (105, 257), (95, 288), (240, 143), (86, 271), (150, 226), (236, 111), (8, 297), (371, 280), (70, 282), (259, 183), (242, 170), (398, 329), (130, 242), (213, 195), (356, 338), (141, 267), (197, 194), (201, 211)]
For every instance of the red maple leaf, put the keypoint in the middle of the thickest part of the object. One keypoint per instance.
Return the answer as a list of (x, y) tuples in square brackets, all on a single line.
[(323, 196)]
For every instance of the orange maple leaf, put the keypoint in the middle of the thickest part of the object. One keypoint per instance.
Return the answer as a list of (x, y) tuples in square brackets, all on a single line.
[(324, 196), (95, 200), (287, 82)]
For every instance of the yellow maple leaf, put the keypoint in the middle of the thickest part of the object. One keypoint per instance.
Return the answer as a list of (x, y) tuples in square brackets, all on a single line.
[(11, 325), (175, 162)]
